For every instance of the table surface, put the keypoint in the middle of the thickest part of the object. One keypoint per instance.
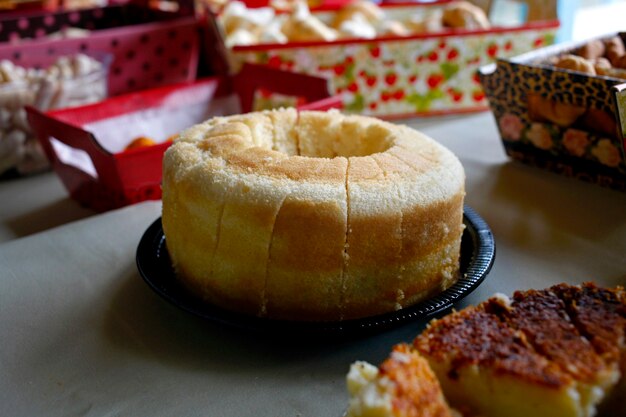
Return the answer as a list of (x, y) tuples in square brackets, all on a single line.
[(81, 334)]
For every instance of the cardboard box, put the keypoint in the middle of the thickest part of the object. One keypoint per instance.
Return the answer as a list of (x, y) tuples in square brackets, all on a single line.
[(86, 145), (560, 120), (398, 77)]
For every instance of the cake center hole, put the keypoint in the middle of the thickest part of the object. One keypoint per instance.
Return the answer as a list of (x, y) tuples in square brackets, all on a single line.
[(318, 137)]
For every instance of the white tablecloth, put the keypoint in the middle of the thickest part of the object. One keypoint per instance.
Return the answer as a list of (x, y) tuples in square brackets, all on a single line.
[(82, 335)]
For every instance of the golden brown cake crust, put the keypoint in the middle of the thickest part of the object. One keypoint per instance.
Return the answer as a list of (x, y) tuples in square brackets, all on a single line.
[(599, 314), (542, 317), (475, 337)]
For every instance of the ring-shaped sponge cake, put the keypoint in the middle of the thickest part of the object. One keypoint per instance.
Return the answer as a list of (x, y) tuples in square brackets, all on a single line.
[(312, 215)]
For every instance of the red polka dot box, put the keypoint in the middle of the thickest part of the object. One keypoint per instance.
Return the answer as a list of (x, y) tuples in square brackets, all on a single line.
[(402, 76), (109, 154), (149, 47)]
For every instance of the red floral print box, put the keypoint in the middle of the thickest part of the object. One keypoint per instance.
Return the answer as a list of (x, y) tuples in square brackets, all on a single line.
[(398, 76), (565, 120)]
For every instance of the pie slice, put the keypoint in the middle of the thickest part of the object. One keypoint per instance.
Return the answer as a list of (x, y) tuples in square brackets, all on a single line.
[(485, 367), (559, 352)]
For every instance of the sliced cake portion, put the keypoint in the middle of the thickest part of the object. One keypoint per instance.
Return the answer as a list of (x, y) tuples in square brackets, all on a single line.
[(373, 242), (374, 238), (197, 204), (485, 367), (306, 257), (403, 386), (251, 204), (429, 193), (432, 214)]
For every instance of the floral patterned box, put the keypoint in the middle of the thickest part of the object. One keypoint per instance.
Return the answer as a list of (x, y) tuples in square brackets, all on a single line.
[(399, 77), (585, 141)]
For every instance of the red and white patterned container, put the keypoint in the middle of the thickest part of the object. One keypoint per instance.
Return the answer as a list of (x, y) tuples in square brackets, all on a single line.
[(398, 77)]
